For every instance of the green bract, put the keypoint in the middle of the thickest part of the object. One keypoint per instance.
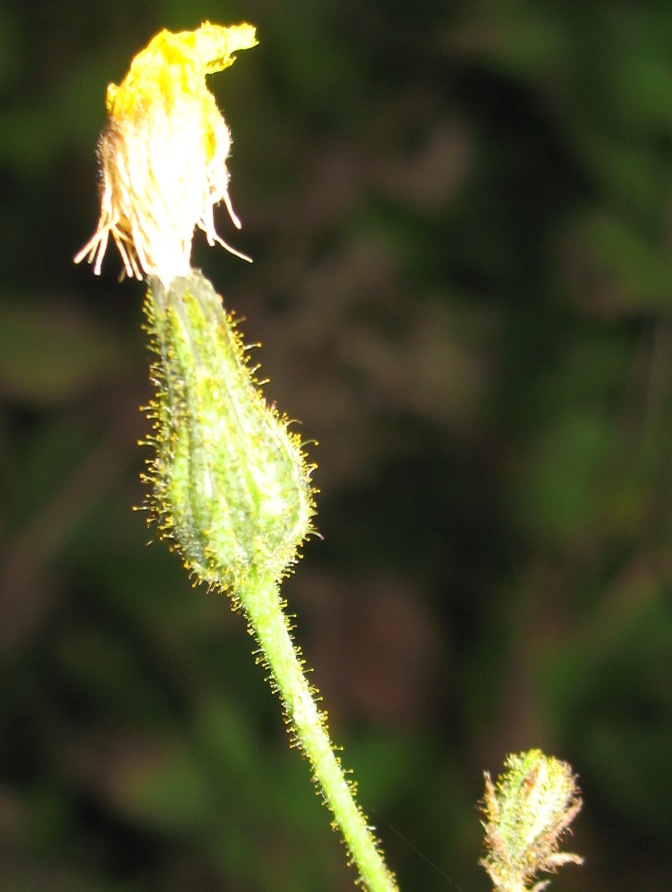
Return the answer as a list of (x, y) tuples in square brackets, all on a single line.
[(230, 482)]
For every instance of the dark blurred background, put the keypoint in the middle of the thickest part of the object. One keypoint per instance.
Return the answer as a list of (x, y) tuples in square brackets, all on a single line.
[(461, 221)]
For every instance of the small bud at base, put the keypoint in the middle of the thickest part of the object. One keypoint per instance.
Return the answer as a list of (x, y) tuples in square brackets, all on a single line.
[(527, 813)]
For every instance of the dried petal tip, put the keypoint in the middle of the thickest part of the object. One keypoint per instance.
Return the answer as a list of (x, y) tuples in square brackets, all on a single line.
[(164, 152), (527, 813)]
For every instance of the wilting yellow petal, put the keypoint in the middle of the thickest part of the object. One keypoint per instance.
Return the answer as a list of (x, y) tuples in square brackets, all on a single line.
[(164, 152)]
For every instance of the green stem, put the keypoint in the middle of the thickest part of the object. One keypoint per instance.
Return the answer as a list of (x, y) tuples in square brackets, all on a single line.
[(263, 606)]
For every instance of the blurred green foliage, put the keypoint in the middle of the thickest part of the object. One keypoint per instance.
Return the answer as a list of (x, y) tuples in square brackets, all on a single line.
[(460, 219)]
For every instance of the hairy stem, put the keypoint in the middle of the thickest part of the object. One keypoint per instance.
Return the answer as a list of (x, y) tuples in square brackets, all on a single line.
[(269, 625)]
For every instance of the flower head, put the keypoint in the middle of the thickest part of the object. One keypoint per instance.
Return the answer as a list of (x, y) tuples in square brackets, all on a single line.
[(164, 153)]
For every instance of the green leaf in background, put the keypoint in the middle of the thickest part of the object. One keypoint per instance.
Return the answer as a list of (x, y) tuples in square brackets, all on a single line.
[(51, 353)]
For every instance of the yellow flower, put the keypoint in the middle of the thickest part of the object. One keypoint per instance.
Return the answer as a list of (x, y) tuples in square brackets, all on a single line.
[(164, 153)]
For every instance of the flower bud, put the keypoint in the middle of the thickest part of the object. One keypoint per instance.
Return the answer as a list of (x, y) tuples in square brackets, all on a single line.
[(231, 485), (527, 813)]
